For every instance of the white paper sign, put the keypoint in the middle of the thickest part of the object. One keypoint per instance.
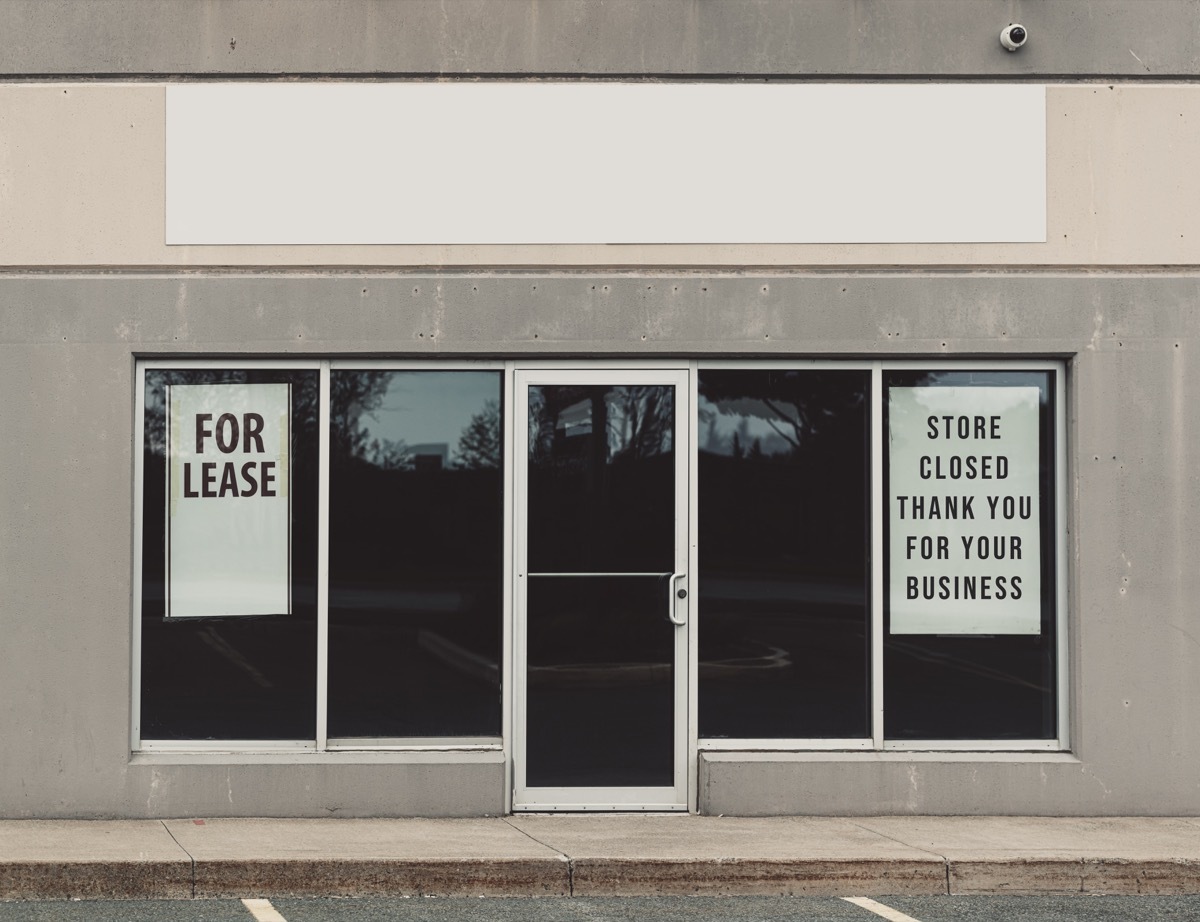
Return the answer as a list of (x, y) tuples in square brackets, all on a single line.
[(963, 510), (229, 503)]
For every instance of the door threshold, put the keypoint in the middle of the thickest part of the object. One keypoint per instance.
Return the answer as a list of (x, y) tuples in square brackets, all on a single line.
[(602, 809)]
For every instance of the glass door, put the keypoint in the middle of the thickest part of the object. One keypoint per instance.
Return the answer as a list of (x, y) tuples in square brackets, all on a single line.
[(601, 590)]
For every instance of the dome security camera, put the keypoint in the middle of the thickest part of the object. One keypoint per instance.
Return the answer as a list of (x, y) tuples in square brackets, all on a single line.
[(1013, 36)]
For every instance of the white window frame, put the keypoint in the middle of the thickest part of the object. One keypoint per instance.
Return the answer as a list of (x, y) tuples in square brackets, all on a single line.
[(877, 743), (467, 749), (471, 749)]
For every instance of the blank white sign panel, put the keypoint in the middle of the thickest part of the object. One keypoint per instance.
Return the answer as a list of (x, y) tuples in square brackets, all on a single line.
[(546, 163)]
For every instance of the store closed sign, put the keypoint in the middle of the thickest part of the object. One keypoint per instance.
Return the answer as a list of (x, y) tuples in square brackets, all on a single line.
[(964, 525), (229, 514)]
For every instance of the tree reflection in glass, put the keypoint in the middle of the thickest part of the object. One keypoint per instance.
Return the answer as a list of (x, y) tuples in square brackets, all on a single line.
[(415, 551), (601, 503), (783, 614), (600, 649)]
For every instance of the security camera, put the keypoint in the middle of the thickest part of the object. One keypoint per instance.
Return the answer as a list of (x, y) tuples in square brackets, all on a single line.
[(1013, 36)]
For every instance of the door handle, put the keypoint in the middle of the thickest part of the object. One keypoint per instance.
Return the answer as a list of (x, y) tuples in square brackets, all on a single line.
[(675, 577)]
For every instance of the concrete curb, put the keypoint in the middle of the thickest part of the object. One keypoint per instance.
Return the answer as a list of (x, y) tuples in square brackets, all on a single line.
[(755, 877), (587, 877), (96, 880), (1085, 875), (385, 877)]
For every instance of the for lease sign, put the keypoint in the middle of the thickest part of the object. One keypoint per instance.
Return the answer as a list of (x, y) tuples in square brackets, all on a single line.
[(963, 510), (229, 504)]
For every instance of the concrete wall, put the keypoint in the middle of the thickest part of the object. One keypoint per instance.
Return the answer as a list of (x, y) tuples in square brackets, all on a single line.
[(813, 38), (66, 366), (87, 287)]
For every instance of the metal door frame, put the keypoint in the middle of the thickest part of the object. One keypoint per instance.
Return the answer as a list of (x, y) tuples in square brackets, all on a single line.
[(546, 799)]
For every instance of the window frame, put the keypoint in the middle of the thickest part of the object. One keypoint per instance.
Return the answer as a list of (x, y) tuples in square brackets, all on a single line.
[(322, 744), (877, 743), (456, 748)]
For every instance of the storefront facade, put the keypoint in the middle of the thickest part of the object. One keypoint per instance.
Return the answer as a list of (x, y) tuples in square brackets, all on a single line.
[(427, 526)]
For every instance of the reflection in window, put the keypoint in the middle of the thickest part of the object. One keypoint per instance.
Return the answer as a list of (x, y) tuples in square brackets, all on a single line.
[(601, 501), (415, 519), (784, 523), (601, 478), (233, 677), (601, 682)]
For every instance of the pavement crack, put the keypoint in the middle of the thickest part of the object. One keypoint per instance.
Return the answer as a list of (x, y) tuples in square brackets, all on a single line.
[(943, 858), (900, 841), (570, 861), (190, 856)]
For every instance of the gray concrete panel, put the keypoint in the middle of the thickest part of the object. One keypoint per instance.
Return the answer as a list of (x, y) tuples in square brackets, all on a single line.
[(67, 353), (335, 787), (822, 38), (766, 784), (1108, 315)]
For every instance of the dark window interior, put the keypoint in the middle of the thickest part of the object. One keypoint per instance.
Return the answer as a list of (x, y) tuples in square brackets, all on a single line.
[(415, 553), (416, 550), (784, 535), (601, 647)]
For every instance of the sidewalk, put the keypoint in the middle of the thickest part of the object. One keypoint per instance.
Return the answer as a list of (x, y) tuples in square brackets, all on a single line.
[(596, 855)]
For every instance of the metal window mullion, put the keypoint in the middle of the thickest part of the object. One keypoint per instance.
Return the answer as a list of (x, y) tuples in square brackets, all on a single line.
[(323, 422), (139, 429), (228, 747), (1059, 485), (682, 558), (519, 478), (693, 563), (971, 745), (233, 364), (508, 414), (582, 574), (798, 745), (877, 588)]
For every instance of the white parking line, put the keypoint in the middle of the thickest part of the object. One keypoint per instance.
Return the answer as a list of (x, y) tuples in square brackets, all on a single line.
[(892, 915), (263, 911)]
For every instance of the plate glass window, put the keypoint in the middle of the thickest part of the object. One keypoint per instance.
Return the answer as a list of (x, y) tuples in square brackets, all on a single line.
[(415, 553), (784, 532), (970, 583), (229, 555)]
